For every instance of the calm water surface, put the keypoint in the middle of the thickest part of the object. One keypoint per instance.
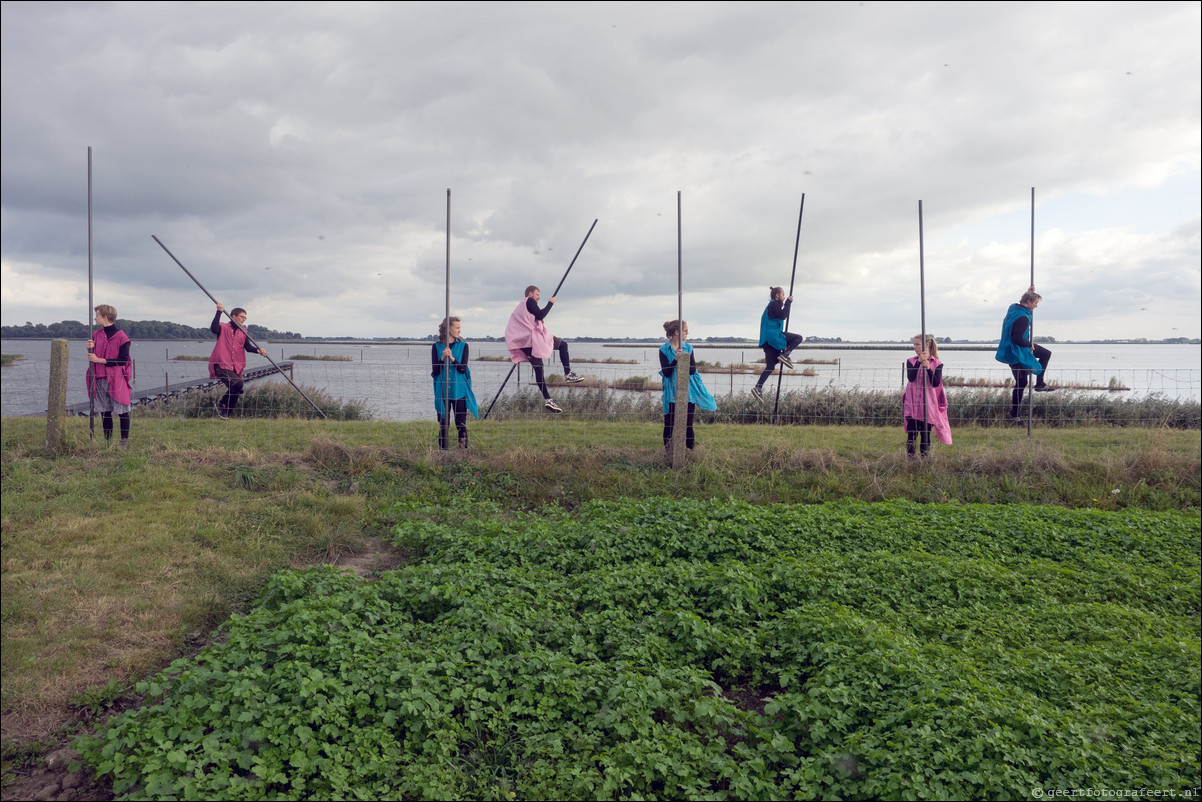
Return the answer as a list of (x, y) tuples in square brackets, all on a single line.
[(394, 379)]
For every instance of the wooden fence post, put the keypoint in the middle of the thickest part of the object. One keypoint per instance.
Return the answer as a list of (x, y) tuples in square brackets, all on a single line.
[(56, 400), (681, 418)]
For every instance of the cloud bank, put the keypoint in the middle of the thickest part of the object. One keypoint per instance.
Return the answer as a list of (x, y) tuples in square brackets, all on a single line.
[(297, 158)]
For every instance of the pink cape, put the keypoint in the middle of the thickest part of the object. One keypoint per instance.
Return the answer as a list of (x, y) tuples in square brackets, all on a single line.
[(936, 403), (230, 350), (523, 331), (118, 376)]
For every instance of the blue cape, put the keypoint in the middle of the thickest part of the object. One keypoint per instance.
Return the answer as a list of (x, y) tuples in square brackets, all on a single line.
[(461, 384), (772, 332), (698, 393), (1011, 354)]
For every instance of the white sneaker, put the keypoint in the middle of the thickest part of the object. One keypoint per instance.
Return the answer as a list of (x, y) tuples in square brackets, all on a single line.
[(784, 360), (758, 394), (572, 378), (551, 406)]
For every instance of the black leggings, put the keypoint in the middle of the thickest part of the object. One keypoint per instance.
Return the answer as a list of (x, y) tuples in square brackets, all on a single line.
[(459, 405), (106, 422), (915, 428), (536, 362), (670, 425), (772, 356), (1022, 376), (233, 383)]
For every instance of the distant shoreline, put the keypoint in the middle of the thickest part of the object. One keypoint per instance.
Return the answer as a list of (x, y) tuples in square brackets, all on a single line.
[(810, 346)]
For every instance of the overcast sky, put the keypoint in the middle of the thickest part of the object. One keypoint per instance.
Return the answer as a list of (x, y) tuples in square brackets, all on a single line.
[(296, 157)]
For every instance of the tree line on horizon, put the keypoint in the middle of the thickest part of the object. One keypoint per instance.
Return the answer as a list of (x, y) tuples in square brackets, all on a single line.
[(166, 330), (135, 329)]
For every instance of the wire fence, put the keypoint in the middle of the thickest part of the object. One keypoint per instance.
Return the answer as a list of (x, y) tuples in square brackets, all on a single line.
[(624, 392)]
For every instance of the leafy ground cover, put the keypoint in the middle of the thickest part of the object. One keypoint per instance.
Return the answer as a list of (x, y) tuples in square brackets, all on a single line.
[(117, 562), (673, 649)]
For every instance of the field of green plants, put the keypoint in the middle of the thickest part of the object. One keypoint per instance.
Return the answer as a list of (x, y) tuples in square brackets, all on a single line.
[(699, 649)]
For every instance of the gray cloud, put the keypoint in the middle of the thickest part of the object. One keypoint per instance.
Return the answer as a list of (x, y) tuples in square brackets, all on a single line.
[(297, 158)]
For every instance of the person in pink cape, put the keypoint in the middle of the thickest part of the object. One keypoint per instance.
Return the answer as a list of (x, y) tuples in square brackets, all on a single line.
[(110, 372), (228, 359), (924, 370), (528, 340)]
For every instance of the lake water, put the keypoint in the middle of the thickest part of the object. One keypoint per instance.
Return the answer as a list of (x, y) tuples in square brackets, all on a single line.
[(394, 379)]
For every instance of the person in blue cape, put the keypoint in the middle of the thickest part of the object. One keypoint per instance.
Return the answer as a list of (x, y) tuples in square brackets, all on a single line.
[(698, 394), (457, 398), (1024, 357), (776, 342)]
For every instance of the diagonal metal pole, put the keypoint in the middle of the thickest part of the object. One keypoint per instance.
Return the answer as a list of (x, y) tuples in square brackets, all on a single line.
[(796, 245), (88, 320), (557, 286), (249, 339)]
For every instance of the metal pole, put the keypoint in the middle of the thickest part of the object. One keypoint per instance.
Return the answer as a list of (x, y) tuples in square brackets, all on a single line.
[(1030, 390), (679, 270), (922, 302), (446, 361), (681, 414), (249, 339), (780, 377), (557, 286), (88, 320)]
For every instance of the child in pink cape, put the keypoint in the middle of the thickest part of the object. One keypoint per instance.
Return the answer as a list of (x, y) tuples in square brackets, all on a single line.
[(110, 372), (528, 340), (924, 370), (228, 359)]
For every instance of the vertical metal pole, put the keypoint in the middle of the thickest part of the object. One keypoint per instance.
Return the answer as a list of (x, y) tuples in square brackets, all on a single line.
[(679, 267), (1030, 391), (922, 303), (780, 376), (91, 382), (446, 362), (681, 415)]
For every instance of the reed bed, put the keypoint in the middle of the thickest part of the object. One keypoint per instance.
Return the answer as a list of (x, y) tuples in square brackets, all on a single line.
[(831, 406)]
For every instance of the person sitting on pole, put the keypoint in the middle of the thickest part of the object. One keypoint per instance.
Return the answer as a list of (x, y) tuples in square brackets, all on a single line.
[(228, 359), (459, 398), (528, 340), (1023, 356), (110, 372), (776, 342)]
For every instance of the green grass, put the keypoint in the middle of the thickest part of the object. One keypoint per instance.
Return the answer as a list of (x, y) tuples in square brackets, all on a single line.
[(116, 562)]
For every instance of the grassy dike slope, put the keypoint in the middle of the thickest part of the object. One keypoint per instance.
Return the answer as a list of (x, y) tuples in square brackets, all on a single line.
[(116, 563)]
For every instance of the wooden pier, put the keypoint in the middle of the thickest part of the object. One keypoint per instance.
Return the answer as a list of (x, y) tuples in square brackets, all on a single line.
[(157, 395)]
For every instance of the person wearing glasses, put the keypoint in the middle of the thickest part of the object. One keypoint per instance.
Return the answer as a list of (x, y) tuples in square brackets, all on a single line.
[(228, 359)]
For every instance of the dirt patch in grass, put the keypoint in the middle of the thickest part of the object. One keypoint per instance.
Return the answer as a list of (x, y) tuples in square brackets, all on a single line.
[(49, 778), (377, 558)]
